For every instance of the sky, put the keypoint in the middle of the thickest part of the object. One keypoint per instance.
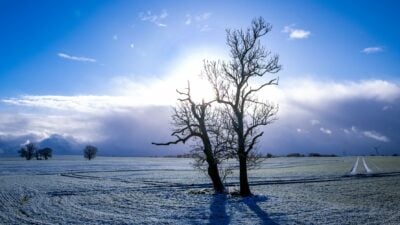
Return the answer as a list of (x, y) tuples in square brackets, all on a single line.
[(105, 72)]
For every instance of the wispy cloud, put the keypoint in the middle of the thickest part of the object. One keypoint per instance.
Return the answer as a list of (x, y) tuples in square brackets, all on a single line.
[(154, 18), (325, 131), (75, 58), (79, 103), (302, 131), (315, 122), (376, 136), (295, 33), (199, 20), (371, 50)]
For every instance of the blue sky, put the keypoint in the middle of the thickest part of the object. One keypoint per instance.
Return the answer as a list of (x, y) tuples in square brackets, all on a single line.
[(114, 53)]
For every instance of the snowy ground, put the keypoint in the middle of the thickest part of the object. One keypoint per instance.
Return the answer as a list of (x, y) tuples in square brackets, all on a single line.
[(70, 190)]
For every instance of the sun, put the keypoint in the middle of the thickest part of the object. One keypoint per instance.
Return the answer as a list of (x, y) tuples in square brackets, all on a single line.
[(161, 89)]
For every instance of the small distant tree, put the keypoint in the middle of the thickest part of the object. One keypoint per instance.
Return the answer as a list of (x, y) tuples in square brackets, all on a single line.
[(90, 152), (46, 153), (28, 151)]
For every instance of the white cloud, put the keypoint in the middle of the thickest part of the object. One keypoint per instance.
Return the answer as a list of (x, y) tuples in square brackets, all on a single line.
[(302, 131), (188, 20), (115, 37), (314, 122), (354, 129), (295, 33), (320, 94), (351, 130), (76, 58), (131, 91), (154, 18), (199, 20), (371, 50), (386, 107), (42, 125), (80, 103), (376, 136), (325, 131), (203, 16), (132, 45)]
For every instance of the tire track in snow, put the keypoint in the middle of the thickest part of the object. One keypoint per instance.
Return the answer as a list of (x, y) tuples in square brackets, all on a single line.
[(367, 169), (354, 169)]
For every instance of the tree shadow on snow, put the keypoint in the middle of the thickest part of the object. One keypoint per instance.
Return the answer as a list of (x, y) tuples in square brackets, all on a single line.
[(251, 202), (218, 210)]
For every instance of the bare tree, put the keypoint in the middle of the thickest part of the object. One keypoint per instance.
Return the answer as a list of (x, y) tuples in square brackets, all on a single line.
[(199, 121), (28, 151), (46, 153), (89, 152), (234, 87)]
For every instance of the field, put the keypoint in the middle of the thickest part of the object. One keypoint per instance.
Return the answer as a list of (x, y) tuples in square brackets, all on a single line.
[(111, 190)]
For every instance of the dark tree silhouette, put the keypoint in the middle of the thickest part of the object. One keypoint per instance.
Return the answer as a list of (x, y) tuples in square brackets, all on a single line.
[(200, 121), (46, 153), (28, 151), (234, 87), (23, 153), (89, 152)]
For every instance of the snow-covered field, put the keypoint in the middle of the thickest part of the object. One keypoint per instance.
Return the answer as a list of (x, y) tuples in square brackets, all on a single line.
[(110, 190)]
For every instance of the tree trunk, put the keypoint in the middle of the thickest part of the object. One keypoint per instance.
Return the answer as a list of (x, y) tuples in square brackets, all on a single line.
[(215, 178), (244, 183), (212, 170)]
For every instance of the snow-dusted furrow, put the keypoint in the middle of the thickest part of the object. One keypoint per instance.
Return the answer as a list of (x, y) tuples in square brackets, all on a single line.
[(367, 169), (124, 196), (354, 169)]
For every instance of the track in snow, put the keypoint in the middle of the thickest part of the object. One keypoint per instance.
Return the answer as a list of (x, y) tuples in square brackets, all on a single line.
[(355, 171)]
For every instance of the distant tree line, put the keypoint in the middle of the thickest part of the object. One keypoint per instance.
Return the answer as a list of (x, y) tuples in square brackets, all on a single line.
[(30, 150), (310, 155)]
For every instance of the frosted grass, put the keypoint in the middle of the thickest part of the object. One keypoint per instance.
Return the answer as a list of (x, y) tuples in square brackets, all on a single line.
[(111, 190)]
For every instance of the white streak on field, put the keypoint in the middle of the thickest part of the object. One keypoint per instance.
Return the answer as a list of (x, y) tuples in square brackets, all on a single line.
[(366, 167), (354, 170)]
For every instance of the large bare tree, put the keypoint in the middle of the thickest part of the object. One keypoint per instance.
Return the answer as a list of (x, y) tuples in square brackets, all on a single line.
[(204, 123), (236, 87)]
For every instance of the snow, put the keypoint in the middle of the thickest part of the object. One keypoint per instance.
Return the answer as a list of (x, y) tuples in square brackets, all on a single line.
[(111, 190)]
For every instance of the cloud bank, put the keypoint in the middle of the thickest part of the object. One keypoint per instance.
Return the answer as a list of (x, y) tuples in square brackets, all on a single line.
[(315, 116)]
